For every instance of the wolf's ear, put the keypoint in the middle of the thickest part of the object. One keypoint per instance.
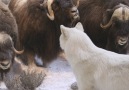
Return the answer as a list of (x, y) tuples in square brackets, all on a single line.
[(64, 31), (79, 26)]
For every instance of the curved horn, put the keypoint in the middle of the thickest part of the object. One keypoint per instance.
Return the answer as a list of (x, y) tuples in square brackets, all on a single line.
[(118, 14), (78, 3), (120, 5), (17, 52), (50, 13), (107, 25)]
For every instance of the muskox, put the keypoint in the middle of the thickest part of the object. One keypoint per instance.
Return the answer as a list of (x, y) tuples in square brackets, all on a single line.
[(13, 73), (8, 38), (39, 25), (106, 23)]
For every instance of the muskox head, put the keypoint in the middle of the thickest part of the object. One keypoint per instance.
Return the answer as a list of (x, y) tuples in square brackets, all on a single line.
[(7, 51), (116, 20), (63, 11)]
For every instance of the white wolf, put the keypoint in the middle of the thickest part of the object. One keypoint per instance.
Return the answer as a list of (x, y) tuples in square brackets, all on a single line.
[(94, 68)]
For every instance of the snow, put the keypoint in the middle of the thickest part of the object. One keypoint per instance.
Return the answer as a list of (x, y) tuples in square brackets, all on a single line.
[(59, 76)]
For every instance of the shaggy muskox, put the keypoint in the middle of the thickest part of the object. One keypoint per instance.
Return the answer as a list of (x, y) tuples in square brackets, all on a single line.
[(39, 25), (12, 72), (106, 23), (8, 37)]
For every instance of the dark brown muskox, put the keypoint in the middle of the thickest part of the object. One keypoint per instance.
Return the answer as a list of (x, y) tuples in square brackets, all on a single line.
[(8, 37), (39, 25), (106, 22), (11, 71), (14, 74)]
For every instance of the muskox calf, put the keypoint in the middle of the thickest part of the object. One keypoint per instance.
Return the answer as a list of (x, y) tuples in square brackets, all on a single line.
[(106, 23), (39, 25)]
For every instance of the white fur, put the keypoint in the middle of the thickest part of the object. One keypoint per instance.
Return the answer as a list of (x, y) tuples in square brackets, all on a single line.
[(94, 68)]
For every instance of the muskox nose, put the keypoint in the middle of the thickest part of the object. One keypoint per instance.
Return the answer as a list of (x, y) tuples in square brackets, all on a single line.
[(75, 13), (122, 40), (4, 63)]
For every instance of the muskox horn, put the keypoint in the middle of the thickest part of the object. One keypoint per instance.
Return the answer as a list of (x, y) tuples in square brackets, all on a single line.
[(50, 13), (107, 25), (110, 22), (118, 13), (16, 51), (78, 3)]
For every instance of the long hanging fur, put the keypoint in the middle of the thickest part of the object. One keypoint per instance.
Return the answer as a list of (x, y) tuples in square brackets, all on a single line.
[(38, 34)]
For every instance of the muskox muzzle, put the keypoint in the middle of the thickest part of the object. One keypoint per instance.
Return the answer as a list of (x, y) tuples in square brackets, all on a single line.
[(74, 13), (122, 40), (5, 64)]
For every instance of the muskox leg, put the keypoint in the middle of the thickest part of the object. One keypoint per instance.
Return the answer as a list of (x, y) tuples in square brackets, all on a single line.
[(28, 58), (45, 64)]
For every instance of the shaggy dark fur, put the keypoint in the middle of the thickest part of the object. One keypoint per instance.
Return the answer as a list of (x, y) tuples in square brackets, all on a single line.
[(15, 77), (118, 29), (38, 34), (91, 14), (21, 77), (6, 52), (8, 23), (8, 36)]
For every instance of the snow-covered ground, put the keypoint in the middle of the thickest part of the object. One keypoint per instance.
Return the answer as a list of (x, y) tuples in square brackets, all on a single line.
[(59, 76)]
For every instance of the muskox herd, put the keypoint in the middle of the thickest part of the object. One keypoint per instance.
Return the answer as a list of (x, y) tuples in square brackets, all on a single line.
[(33, 27)]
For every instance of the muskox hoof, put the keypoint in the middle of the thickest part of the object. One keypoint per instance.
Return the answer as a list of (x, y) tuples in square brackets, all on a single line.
[(74, 86)]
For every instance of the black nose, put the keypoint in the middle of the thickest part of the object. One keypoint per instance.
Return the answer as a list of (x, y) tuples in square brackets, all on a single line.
[(75, 13)]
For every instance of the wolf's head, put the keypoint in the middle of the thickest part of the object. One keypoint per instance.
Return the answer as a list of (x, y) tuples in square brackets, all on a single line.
[(71, 35)]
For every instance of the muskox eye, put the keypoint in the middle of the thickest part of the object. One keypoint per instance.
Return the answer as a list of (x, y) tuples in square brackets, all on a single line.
[(55, 6)]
